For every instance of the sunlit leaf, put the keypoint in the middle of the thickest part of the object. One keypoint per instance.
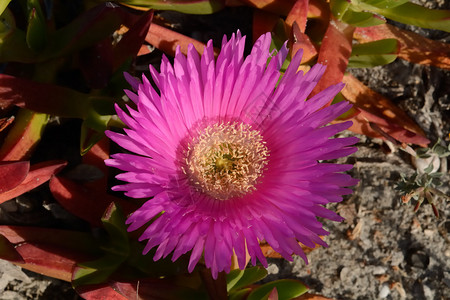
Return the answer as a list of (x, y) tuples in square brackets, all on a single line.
[(198, 7), (413, 47), (372, 54), (3, 5), (384, 3), (381, 111), (362, 19), (287, 289), (168, 40), (334, 57), (413, 14)]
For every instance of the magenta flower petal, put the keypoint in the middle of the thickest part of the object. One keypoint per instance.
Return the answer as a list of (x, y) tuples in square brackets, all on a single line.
[(228, 155)]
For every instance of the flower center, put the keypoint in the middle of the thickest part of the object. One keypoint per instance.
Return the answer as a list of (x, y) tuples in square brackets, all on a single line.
[(226, 160)]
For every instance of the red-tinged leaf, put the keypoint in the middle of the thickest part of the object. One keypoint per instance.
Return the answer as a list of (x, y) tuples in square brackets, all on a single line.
[(273, 294), (167, 40), (42, 97), (302, 41), (263, 22), (298, 14), (379, 110), (46, 261), (198, 7), (154, 288), (12, 173), (23, 136), (413, 47), (132, 40), (84, 202), (334, 53), (39, 174), (8, 252), (279, 7), (5, 122), (100, 292), (318, 9), (79, 242)]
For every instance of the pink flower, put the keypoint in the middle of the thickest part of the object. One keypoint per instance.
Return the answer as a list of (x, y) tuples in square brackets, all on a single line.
[(230, 156)]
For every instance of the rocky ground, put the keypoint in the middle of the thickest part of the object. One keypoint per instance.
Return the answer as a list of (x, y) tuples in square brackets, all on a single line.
[(383, 250)]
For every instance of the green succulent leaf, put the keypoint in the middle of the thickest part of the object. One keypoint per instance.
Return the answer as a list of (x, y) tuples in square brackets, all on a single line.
[(362, 19), (339, 8), (3, 5), (417, 15), (114, 222), (237, 279), (373, 53), (287, 289), (96, 271), (383, 3), (36, 36), (199, 7)]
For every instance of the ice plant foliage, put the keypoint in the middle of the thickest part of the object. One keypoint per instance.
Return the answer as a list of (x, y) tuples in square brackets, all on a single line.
[(228, 155)]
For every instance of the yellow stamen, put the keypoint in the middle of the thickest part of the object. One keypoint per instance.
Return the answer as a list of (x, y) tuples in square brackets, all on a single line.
[(226, 160)]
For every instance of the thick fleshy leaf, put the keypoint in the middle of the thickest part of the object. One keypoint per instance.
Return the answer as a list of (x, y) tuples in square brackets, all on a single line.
[(3, 5), (12, 173), (43, 98), (99, 292), (24, 135), (412, 46), (167, 40), (362, 19), (379, 110), (298, 14), (39, 174), (36, 36), (8, 251), (413, 14), (198, 7), (385, 3), (5, 122), (287, 289), (96, 271), (334, 53), (132, 40), (154, 288), (238, 279), (80, 242), (84, 202), (279, 7), (302, 41), (373, 54), (92, 131), (13, 45), (47, 261)]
